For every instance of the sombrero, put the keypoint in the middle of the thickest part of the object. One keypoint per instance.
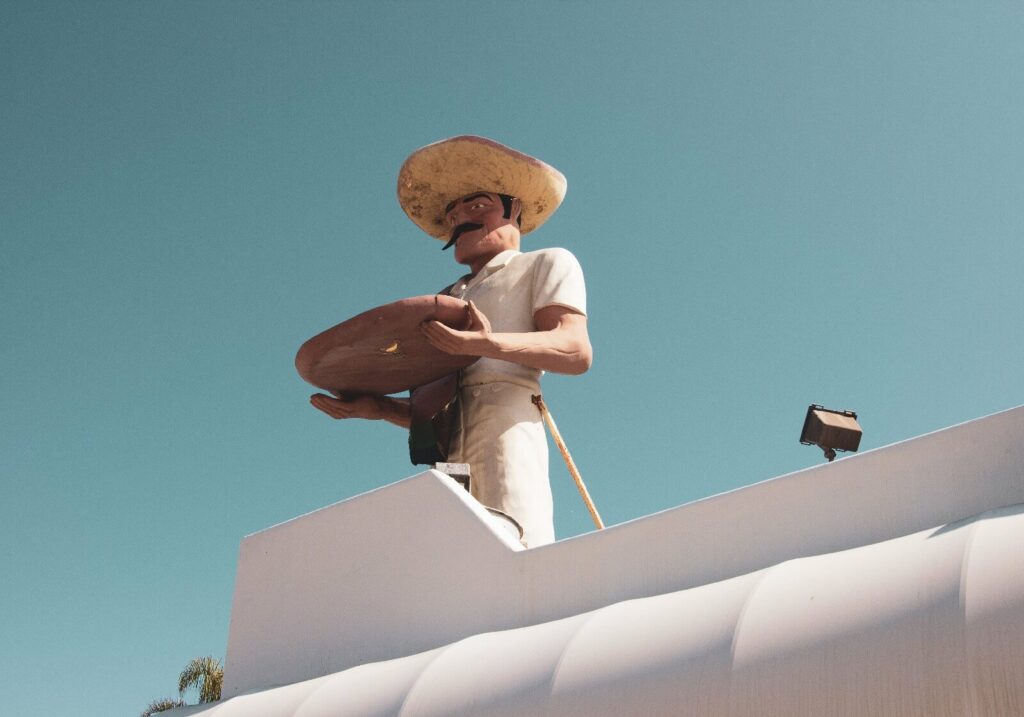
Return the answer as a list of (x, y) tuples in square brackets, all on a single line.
[(382, 350), (434, 175)]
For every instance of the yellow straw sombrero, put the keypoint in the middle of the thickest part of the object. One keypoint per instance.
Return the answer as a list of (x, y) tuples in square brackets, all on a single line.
[(434, 175)]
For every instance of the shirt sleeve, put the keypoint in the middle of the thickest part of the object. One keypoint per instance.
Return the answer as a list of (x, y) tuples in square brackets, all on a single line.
[(558, 281)]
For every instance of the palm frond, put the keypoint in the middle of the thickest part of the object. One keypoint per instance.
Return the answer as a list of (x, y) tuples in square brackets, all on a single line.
[(206, 675), (161, 705)]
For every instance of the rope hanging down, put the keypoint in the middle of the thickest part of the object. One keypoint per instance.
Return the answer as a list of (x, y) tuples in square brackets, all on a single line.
[(542, 407)]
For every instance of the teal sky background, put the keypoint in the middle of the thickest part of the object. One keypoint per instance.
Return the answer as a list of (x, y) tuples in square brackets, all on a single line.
[(775, 204)]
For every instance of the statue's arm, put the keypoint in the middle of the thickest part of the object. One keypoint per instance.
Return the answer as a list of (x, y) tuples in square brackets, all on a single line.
[(372, 408), (560, 344)]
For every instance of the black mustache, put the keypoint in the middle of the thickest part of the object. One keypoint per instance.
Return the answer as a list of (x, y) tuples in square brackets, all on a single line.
[(459, 231)]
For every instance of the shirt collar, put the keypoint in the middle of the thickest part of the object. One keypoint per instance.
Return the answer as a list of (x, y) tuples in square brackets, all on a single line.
[(498, 261)]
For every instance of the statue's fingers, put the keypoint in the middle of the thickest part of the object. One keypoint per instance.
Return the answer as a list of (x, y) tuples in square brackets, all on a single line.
[(441, 343), (333, 407), (322, 406), (437, 333), (438, 343), (435, 327), (478, 319)]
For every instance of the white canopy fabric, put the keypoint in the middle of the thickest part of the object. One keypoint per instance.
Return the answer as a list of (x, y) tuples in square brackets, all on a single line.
[(416, 565), (859, 588), (927, 624)]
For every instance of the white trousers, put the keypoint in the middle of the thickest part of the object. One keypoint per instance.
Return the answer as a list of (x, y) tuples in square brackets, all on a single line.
[(502, 438)]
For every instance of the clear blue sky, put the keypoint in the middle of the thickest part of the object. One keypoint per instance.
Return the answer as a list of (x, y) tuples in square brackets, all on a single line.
[(774, 203)]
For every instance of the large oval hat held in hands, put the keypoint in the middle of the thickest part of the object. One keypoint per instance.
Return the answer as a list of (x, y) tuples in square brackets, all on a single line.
[(435, 175), (382, 350)]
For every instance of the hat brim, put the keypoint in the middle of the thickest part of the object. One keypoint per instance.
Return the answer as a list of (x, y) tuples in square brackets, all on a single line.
[(434, 175)]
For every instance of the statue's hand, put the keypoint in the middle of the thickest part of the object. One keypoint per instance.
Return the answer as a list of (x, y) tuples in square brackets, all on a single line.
[(367, 407), (473, 341)]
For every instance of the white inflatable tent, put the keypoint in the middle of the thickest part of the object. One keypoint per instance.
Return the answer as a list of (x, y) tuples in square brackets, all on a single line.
[(886, 583)]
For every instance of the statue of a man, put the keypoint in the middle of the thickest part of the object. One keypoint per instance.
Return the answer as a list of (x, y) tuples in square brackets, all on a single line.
[(527, 315)]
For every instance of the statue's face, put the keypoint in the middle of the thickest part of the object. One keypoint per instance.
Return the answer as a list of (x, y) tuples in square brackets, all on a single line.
[(483, 230)]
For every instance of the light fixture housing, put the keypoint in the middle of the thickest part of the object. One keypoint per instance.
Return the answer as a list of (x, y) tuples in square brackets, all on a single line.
[(831, 430)]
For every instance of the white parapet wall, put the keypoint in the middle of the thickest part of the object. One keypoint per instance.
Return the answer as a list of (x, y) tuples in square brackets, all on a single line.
[(792, 593)]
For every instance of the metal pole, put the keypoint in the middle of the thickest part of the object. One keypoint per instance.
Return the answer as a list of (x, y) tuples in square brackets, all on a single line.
[(542, 407)]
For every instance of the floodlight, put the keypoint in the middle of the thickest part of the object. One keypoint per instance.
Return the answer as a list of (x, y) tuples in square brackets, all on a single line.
[(831, 430)]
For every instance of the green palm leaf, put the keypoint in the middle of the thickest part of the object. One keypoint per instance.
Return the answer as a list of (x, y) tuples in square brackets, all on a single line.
[(161, 705), (206, 675)]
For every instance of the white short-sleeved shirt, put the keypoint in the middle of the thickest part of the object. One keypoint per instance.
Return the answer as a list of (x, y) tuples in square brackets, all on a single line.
[(510, 289)]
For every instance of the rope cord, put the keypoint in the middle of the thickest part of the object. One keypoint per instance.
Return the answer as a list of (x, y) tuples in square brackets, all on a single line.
[(543, 408)]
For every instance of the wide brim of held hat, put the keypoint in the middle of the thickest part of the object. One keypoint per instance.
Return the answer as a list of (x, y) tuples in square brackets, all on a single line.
[(434, 175)]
